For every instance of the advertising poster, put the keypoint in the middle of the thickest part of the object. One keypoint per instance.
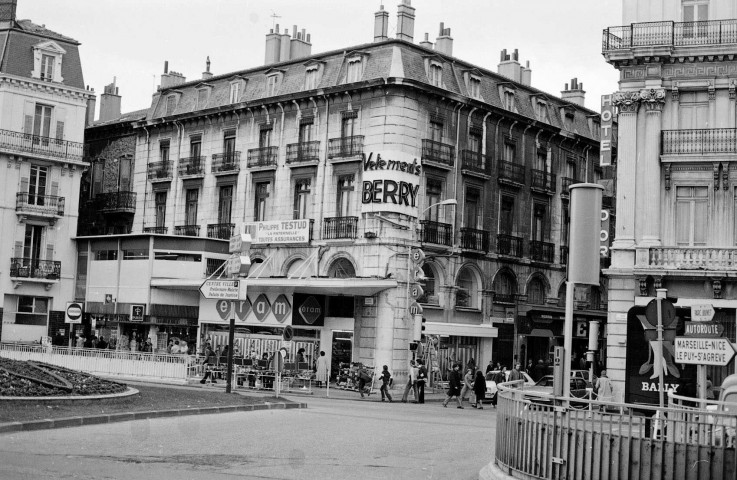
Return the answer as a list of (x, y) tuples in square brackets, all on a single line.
[(391, 183)]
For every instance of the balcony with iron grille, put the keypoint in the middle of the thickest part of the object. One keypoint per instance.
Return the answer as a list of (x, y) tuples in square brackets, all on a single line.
[(474, 239), (187, 230), (565, 184), (511, 173), (263, 158), (438, 154), (303, 152), (543, 181), (34, 269), (226, 163), (334, 228), (345, 148), (160, 171), (116, 202), (509, 245), (475, 163), (43, 148), (222, 231), (45, 207), (699, 142), (542, 251), (157, 230), (192, 166), (436, 233)]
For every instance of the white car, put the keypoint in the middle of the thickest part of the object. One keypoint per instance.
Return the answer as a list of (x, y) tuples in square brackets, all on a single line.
[(491, 388)]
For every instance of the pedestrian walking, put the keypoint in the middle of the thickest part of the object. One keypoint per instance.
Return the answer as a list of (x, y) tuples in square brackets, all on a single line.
[(386, 378), (322, 370), (479, 388), (411, 382), (363, 378), (516, 375), (454, 386), (499, 377), (421, 380), (467, 386), (604, 389), (539, 370), (209, 361)]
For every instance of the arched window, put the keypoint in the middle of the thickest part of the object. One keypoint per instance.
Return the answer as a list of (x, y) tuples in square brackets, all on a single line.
[(536, 292), (297, 269), (505, 288), (256, 267), (430, 288), (342, 268), (467, 294)]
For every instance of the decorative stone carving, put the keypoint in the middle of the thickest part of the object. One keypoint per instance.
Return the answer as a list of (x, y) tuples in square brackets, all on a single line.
[(725, 176), (732, 90), (643, 286), (653, 99), (675, 94), (716, 176), (667, 175), (657, 282), (717, 285), (626, 102), (712, 91)]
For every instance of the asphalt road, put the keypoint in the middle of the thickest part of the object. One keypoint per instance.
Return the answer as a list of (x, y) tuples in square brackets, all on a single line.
[(332, 439)]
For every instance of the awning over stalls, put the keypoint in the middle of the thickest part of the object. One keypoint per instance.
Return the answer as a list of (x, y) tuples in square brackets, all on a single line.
[(461, 330), (360, 287)]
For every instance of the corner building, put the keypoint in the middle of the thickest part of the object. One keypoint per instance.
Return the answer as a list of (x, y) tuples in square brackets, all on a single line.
[(675, 182), (339, 164)]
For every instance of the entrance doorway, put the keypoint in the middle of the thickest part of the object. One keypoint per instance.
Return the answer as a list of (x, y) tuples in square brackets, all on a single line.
[(342, 350)]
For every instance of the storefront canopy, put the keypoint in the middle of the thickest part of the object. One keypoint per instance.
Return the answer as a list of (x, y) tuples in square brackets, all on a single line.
[(461, 330), (360, 287)]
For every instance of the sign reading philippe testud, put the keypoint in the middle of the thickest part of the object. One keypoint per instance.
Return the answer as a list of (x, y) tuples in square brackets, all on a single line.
[(391, 183)]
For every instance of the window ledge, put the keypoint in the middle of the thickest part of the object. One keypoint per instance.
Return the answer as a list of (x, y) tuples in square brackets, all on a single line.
[(468, 309)]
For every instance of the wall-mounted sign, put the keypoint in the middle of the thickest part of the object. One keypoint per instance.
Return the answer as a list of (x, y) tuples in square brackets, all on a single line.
[(605, 145), (137, 312), (289, 231), (281, 308), (391, 183), (261, 307), (309, 310)]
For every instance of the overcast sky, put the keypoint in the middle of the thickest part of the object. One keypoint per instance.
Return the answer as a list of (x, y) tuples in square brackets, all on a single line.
[(131, 39)]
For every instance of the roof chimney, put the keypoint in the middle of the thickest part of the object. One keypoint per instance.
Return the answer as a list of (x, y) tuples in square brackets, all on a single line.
[(299, 46), (426, 42), (110, 102), (284, 46), (444, 42), (169, 78), (381, 25), (526, 76), (206, 74), (7, 13), (509, 66), (90, 113), (575, 94), (405, 21)]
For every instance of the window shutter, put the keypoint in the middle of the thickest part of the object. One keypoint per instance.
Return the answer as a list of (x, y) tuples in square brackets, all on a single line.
[(60, 130), (18, 249), (24, 184), (54, 189), (49, 252), (28, 125)]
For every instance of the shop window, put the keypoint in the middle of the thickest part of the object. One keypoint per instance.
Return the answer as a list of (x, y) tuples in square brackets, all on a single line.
[(32, 311), (106, 255), (342, 268), (135, 254), (177, 256)]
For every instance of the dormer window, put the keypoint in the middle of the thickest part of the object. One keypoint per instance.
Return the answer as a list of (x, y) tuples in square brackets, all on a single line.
[(47, 67), (541, 111), (474, 87), (202, 96), (47, 61), (436, 74), (235, 92), (507, 96), (354, 70), (311, 78), (171, 104), (272, 84)]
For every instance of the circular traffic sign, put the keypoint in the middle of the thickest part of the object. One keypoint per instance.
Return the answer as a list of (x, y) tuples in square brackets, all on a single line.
[(74, 311), (667, 310)]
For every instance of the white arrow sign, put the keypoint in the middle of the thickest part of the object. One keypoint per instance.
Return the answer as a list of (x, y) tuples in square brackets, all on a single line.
[(702, 313), (703, 351), (220, 289)]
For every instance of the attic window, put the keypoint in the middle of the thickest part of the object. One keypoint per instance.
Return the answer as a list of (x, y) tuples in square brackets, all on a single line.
[(202, 95), (507, 96), (311, 77), (171, 104), (235, 91), (272, 84), (435, 74), (354, 72), (47, 58), (474, 87), (541, 111)]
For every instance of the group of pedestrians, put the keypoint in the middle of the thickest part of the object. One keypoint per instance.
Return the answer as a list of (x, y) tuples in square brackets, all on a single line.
[(472, 383)]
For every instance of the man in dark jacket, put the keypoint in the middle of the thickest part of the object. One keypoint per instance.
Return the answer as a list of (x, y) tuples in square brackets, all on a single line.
[(421, 379), (209, 362), (454, 386)]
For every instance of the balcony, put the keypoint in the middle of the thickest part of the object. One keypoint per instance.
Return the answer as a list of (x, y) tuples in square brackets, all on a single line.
[(692, 258), (262, 157), (116, 202), (509, 245), (438, 153), (339, 227), (192, 166), (564, 254), (565, 184), (41, 147), (224, 163), (187, 230), (475, 163), (157, 230), (39, 206), (345, 147), (35, 269), (699, 142), (436, 233), (474, 239), (542, 251), (543, 181), (669, 34), (222, 231), (159, 171), (303, 152), (511, 173)]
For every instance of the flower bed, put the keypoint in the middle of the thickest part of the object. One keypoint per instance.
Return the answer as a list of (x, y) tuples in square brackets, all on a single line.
[(33, 379)]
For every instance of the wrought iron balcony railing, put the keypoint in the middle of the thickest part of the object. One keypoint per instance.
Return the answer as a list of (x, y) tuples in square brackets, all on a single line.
[(699, 141), (222, 231), (192, 166), (436, 232), (475, 162), (542, 251), (509, 245), (438, 152), (36, 145), (339, 227), (565, 184), (670, 34), (345, 146), (226, 162), (564, 254), (159, 171), (187, 230), (262, 157), (474, 239), (303, 152), (159, 230), (39, 204), (34, 268), (543, 180), (513, 172), (117, 202)]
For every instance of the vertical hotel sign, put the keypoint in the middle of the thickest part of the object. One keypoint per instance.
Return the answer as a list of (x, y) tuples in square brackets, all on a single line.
[(605, 145)]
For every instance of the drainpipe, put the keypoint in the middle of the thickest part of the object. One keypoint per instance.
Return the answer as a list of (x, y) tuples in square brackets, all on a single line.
[(180, 135), (324, 171)]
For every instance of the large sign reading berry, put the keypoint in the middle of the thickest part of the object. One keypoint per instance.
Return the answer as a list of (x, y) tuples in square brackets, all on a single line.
[(391, 183)]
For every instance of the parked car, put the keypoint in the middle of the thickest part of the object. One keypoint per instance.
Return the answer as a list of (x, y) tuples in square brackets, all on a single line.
[(542, 391), (491, 388), (585, 375)]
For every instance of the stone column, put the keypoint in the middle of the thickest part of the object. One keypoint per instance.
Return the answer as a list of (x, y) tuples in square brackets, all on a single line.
[(628, 104), (648, 170)]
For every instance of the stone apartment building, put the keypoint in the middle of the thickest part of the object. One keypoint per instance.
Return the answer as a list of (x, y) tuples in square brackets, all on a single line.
[(43, 110), (339, 164)]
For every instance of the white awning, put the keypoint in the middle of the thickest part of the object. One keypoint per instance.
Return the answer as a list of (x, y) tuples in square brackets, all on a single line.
[(461, 330), (361, 287)]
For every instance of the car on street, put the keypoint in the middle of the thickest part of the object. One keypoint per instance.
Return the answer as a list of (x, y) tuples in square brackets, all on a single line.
[(585, 375), (542, 391), (491, 387)]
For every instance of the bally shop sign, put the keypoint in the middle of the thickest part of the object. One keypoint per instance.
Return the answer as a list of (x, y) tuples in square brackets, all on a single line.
[(391, 183)]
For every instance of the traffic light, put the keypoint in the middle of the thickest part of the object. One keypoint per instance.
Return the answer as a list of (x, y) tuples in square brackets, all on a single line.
[(424, 324)]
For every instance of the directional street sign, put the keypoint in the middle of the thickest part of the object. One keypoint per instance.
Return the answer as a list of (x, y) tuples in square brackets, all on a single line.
[(220, 289), (703, 351), (702, 313), (703, 329)]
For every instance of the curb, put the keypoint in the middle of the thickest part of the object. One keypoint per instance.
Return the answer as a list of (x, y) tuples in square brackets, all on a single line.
[(492, 472), (125, 417)]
